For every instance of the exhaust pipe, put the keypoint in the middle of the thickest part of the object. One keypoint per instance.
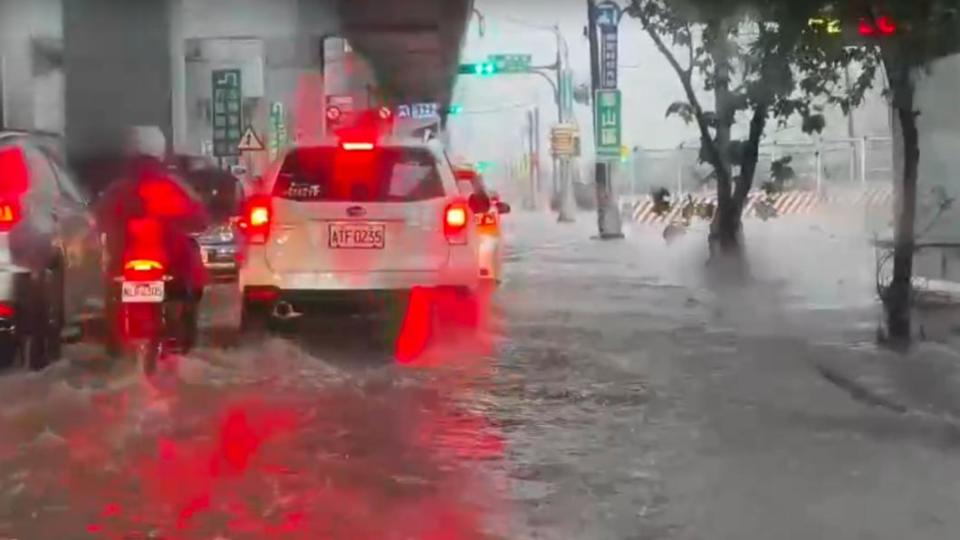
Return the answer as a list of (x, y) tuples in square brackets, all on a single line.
[(284, 311)]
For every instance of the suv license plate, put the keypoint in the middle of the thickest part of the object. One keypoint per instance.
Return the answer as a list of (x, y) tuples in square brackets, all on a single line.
[(357, 236), (142, 292)]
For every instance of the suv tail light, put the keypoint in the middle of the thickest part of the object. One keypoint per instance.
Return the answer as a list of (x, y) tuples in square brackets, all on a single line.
[(9, 215), (14, 182), (456, 217), (257, 218)]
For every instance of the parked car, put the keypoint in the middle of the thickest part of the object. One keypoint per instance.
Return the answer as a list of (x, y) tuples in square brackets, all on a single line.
[(223, 195), (49, 251)]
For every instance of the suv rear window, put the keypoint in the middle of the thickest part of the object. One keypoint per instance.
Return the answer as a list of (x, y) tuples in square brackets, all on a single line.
[(381, 175)]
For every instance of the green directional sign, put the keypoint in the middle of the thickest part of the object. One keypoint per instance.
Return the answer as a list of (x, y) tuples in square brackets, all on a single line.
[(278, 129), (227, 112), (609, 124), (511, 63)]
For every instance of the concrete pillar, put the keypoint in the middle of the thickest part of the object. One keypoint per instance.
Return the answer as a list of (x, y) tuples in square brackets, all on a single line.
[(117, 61), (31, 81)]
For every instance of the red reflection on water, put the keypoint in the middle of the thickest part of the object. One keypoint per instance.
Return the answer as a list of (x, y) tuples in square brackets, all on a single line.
[(416, 328), (442, 326)]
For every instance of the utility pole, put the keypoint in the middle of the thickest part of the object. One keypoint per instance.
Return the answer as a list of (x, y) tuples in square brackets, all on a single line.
[(566, 211), (851, 129), (536, 157), (608, 215)]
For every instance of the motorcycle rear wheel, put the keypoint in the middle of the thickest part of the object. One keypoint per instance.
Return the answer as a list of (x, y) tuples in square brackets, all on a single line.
[(147, 354)]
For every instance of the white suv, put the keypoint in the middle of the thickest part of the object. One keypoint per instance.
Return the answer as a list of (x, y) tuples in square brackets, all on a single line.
[(341, 223)]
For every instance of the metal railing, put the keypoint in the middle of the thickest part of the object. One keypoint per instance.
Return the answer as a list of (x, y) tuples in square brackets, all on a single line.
[(817, 165)]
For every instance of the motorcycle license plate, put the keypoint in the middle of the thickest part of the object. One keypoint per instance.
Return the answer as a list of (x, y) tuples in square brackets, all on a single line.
[(142, 292)]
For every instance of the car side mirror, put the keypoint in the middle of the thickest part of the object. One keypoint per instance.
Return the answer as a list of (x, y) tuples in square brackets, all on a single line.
[(503, 208), (479, 203)]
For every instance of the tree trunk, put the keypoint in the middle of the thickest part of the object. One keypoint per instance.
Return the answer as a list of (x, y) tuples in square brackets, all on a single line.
[(726, 226), (897, 298), (751, 155)]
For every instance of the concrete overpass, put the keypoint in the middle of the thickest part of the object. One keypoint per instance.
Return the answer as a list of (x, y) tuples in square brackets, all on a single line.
[(105, 64)]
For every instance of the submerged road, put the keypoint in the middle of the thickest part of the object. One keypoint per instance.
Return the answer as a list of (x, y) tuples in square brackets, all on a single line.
[(609, 391)]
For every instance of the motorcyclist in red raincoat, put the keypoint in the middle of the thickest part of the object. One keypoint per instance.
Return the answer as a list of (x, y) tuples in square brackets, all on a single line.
[(147, 188)]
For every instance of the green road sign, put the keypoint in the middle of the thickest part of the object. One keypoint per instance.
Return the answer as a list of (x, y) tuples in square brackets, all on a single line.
[(227, 112), (278, 129), (608, 124), (510, 63)]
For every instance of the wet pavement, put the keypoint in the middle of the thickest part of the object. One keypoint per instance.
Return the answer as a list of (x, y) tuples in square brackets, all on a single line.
[(606, 391)]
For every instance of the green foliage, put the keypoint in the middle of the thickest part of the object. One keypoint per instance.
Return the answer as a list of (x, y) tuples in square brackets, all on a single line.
[(781, 175), (762, 60)]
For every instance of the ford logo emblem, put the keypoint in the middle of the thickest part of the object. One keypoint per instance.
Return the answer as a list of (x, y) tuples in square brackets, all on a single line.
[(356, 211)]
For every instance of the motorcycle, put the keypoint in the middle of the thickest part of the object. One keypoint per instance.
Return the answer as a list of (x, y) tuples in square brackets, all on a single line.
[(154, 312)]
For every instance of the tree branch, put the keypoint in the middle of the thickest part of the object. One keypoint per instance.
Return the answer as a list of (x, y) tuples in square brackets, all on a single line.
[(686, 80)]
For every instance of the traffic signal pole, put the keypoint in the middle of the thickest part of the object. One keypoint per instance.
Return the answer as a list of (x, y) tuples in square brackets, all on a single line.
[(608, 215)]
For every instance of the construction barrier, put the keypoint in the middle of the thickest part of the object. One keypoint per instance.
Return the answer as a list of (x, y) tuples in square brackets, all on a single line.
[(641, 209)]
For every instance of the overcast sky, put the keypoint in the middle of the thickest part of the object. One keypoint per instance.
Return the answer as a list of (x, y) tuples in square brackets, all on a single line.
[(495, 107)]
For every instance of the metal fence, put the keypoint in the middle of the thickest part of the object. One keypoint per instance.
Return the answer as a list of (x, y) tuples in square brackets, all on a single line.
[(827, 163)]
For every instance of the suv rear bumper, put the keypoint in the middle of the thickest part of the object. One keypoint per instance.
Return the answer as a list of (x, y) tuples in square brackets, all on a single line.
[(360, 282), (15, 286)]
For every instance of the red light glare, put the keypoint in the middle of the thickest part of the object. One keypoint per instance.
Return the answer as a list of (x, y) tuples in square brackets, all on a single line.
[(9, 215), (866, 28), (257, 218), (456, 217), (14, 173), (357, 146), (887, 25)]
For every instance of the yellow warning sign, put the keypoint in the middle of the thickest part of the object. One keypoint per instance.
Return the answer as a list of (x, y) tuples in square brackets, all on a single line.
[(250, 142)]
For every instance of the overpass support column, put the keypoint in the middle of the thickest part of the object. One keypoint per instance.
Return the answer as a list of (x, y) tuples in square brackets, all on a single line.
[(118, 63)]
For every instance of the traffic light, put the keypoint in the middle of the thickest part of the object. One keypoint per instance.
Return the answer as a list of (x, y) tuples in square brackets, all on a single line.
[(454, 109), (482, 69)]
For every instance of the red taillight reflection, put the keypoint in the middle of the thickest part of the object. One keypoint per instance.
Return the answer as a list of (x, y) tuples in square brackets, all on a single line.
[(9, 215), (7, 311)]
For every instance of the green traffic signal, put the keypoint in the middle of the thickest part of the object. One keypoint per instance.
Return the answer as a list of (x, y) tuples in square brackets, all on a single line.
[(484, 68), (455, 109)]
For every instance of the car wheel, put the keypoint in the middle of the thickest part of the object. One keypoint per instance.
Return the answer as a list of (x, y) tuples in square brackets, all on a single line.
[(41, 345), (56, 314), (10, 354)]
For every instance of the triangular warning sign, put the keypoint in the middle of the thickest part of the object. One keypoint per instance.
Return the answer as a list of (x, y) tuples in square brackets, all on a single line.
[(250, 142)]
